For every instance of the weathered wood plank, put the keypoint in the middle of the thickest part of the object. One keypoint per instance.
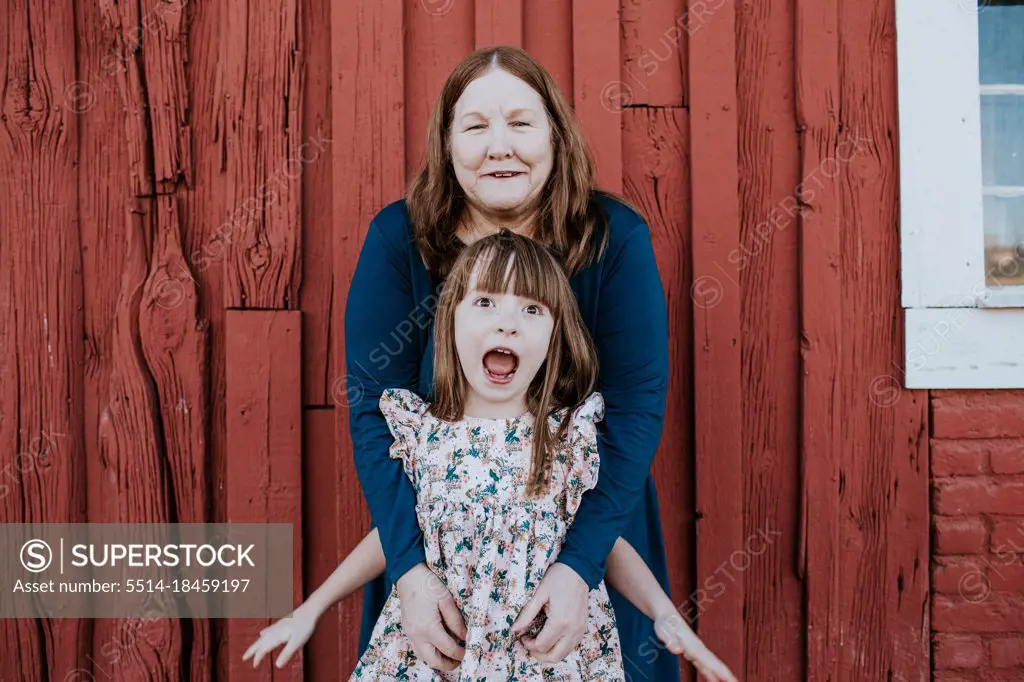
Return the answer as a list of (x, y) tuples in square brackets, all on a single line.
[(42, 462), (317, 292), (205, 222), (324, 501), (499, 22), (175, 341), (368, 95), (596, 84), (718, 388), (766, 269), (264, 438), (547, 36), (261, 69), (654, 47), (657, 181), (137, 486), (437, 36), (817, 91), (885, 532), (148, 58)]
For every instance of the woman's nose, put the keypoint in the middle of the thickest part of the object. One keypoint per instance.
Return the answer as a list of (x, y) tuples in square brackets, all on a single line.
[(499, 146)]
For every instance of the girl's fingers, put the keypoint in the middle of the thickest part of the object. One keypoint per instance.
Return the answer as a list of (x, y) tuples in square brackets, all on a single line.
[(291, 648)]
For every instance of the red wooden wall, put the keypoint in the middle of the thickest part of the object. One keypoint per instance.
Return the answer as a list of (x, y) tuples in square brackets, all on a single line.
[(186, 190)]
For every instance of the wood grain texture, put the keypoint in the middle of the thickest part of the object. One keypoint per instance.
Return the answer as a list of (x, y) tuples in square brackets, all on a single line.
[(175, 343), (656, 180), (325, 507), (438, 34), (766, 269), (547, 36), (654, 48), (204, 219), (597, 93), (149, 60), (137, 483), (822, 331), (718, 388), (498, 22), (264, 438), (367, 95), (260, 76), (884, 474), (103, 188), (42, 460), (317, 292)]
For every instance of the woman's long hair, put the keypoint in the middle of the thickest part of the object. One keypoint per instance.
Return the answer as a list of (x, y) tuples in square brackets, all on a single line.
[(509, 262), (569, 218)]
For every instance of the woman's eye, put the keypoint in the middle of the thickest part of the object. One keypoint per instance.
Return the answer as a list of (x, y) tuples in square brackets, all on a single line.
[(478, 126), (520, 123)]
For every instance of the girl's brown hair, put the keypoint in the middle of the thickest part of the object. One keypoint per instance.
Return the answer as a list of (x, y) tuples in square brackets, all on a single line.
[(568, 217), (508, 262)]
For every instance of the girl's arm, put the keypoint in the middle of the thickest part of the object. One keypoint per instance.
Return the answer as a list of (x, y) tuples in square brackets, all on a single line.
[(362, 565), (630, 576)]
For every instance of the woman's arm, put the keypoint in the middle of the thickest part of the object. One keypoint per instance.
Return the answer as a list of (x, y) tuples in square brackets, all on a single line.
[(631, 335), (381, 316), (379, 307)]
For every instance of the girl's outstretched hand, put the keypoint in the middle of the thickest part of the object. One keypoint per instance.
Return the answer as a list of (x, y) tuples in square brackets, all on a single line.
[(680, 639), (293, 632)]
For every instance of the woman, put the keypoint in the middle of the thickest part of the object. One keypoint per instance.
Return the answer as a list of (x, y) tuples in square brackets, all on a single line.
[(504, 150)]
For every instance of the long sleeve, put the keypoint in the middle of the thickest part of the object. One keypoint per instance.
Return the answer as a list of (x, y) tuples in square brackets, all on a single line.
[(631, 334), (378, 355)]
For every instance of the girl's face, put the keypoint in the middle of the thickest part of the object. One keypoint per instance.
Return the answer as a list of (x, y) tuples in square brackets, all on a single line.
[(501, 143), (502, 341)]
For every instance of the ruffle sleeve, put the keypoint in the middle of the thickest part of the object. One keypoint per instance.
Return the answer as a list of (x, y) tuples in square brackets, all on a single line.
[(585, 462), (403, 411)]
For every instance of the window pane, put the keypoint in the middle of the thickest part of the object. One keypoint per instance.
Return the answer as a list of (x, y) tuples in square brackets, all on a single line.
[(1002, 139), (1001, 36), (1001, 33)]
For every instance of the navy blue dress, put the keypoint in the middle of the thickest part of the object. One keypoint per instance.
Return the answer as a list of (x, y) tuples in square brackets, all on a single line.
[(388, 344)]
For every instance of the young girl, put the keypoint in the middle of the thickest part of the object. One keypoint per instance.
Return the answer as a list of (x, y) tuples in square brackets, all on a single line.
[(496, 490)]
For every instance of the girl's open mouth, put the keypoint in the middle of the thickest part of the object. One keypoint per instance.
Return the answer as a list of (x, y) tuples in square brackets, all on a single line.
[(500, 365)]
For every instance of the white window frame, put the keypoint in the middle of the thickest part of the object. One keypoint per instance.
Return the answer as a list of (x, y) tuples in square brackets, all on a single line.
[(959, 332)]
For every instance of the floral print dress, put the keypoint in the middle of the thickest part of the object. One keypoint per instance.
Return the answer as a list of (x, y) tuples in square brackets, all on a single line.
[(489, 543)]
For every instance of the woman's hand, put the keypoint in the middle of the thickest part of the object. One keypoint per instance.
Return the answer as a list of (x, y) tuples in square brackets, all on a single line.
[(293, 631), (563, 595), (680, 639), (430, 617)]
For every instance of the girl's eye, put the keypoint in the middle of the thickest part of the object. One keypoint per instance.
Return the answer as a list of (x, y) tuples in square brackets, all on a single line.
[(534, 309), (483, 301)]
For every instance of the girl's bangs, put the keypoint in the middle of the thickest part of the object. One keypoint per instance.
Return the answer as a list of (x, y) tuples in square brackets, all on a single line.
[(526, 272)]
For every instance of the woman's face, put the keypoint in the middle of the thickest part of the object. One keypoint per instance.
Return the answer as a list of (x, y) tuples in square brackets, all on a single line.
[(501, 143)]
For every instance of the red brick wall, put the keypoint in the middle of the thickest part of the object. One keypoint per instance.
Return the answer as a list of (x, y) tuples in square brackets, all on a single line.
[(977, 469)]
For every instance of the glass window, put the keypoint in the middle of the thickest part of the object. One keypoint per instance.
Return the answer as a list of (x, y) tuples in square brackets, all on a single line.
[(1001, 41)]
